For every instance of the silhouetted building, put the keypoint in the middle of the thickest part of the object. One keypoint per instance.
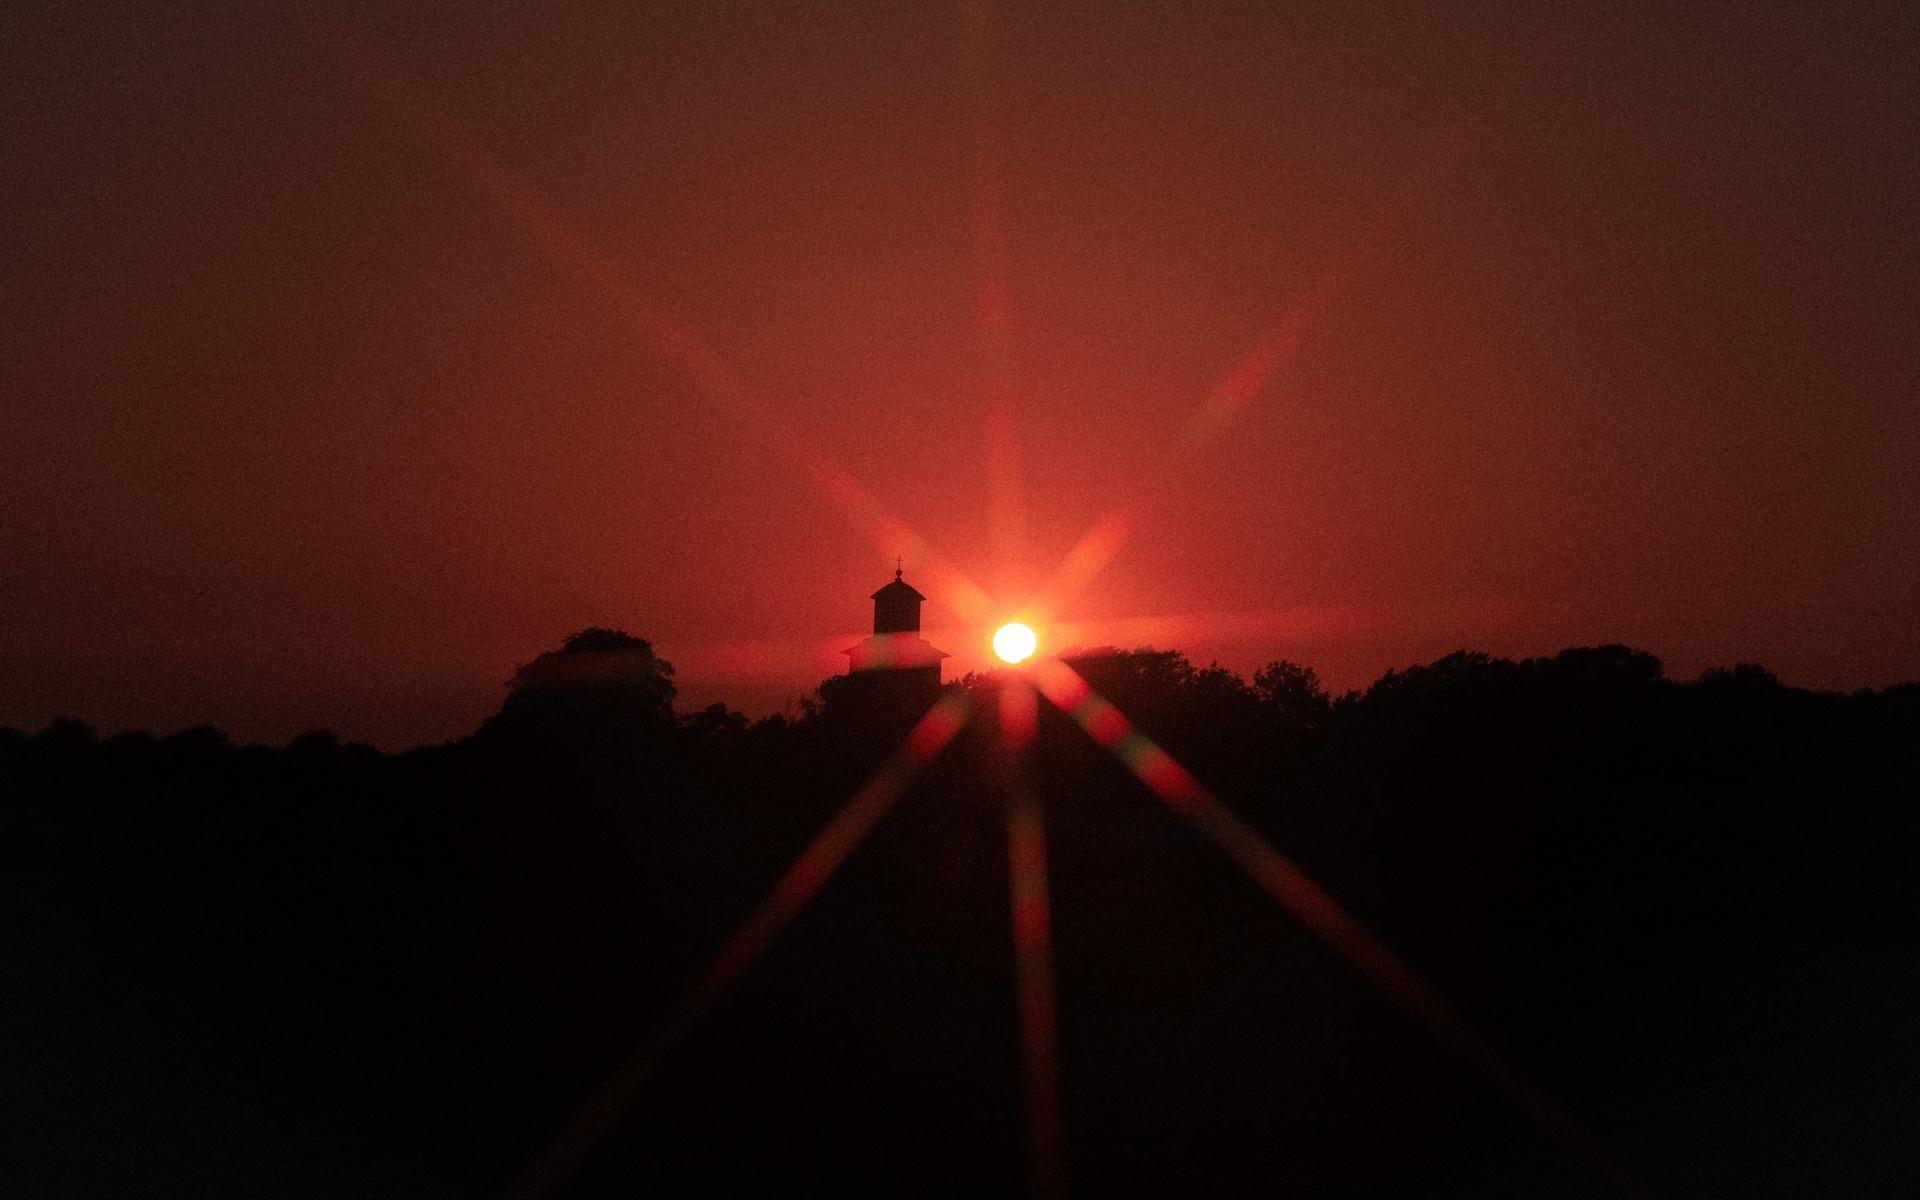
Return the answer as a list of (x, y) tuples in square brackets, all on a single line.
[(896, 663)]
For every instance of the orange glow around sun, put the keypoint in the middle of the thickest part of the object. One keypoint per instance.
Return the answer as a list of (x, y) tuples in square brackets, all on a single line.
[(1014, 642)]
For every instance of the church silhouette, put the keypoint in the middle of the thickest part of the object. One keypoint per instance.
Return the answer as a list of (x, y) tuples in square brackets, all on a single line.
[(895, 666)]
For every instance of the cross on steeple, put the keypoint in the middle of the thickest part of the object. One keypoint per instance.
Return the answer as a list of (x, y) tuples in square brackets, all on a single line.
[(896, 644)]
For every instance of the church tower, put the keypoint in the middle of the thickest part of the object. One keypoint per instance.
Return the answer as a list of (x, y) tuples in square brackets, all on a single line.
[(896, 607), (910, 661)]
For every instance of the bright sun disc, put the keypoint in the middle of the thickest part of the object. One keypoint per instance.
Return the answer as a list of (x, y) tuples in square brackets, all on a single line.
[(1014, 642)]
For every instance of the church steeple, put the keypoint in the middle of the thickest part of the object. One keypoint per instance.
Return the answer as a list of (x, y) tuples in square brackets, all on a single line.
[(896, 607), (896, 646)]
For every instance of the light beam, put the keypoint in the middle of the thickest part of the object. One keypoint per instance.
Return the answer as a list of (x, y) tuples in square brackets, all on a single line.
[(1032, 943), (673, 339), (598, 1116), (1310, 904)]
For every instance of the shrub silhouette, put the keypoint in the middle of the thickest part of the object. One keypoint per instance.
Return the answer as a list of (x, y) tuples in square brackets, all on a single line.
[(386, 974)]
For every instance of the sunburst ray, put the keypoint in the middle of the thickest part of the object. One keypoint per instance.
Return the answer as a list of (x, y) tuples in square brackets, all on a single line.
[(601, 1112), (993, 301), (672, 338), (1311, 905), (1032, 941)]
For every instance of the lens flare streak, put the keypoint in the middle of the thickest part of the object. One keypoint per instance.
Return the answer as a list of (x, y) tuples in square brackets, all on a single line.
[(1032, 942), (1033, 964), (1310, 904), (673, 339), (1243, 383), (809, 872), (1006, 505), (1019, 711), (829, 849), (1252, 375)]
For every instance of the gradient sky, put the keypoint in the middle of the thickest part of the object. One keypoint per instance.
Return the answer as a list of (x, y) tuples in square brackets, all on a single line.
[(333, 380)]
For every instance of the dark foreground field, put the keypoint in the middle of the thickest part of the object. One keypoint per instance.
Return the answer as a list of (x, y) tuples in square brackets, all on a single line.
[(1689, 912)]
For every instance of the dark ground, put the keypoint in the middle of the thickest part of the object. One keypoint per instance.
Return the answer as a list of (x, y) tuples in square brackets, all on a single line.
[(1689, 911)]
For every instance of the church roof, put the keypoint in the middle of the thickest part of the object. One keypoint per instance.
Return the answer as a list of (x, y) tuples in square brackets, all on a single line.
[(897, 588), (894, 650)]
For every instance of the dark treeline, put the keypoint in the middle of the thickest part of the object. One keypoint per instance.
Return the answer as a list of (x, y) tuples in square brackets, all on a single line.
[(1687, 910)]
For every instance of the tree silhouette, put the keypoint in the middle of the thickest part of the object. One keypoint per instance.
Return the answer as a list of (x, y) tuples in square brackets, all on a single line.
[(230, 967), (601, 684)]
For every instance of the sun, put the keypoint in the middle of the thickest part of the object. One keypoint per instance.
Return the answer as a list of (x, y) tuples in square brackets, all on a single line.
[(1014, 642)]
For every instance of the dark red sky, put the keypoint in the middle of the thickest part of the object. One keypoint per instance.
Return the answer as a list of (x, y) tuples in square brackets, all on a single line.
[(1602, 327)]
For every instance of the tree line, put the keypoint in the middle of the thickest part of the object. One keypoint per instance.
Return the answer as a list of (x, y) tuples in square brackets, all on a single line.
[(1687, 909)]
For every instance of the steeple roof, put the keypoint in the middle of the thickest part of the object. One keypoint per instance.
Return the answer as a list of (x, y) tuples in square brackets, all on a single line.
[(899, 587)]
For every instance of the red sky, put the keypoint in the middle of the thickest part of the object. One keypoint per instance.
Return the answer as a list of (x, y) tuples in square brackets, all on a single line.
[(332, 383)]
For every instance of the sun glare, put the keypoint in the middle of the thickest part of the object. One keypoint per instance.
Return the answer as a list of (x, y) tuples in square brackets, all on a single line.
[(1014, 642)]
